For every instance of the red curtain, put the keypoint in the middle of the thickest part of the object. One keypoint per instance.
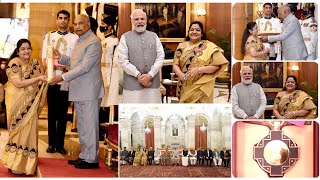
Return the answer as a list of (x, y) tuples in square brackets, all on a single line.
[(200, 138), (150, 138)]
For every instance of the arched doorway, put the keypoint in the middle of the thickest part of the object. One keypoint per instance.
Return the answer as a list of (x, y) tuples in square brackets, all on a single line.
[(175, 131)]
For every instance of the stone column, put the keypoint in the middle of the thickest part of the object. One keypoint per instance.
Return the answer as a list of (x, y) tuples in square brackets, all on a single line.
[(216, 130), (190, 133), (226, 129), (157, 132), (125, 132)]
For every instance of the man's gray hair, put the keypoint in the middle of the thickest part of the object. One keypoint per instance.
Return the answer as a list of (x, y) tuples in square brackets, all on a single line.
[(244, 67), (286, 8), (137, 10)]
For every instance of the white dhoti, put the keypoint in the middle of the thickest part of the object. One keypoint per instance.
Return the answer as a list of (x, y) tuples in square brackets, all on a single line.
[(146, 95), (157, 159), (217, 161), (184, 161), (193, 160)]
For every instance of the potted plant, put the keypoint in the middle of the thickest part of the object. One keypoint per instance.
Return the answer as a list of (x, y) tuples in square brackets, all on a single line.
[(311, 90)]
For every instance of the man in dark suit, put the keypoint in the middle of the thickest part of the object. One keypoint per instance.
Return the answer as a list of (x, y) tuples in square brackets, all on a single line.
[(131, 155), (223, 156), (150, 156), (209, 156), (199, 155)]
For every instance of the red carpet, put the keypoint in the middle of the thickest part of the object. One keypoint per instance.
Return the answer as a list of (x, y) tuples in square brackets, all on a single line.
[(5, 173), (174, 171), (50, 167)]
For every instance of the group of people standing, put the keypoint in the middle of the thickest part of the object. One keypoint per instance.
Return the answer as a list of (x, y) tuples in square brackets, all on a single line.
[(280, 38), (175, 156), (78, 78)]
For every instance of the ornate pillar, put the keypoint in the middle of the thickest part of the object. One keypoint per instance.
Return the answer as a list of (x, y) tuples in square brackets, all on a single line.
[(226, 128), (125, 132), (190, 133), (157, 132), (216, 130)]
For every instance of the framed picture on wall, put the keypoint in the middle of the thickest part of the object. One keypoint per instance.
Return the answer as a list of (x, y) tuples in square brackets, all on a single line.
[(170, 21), (270, 75)]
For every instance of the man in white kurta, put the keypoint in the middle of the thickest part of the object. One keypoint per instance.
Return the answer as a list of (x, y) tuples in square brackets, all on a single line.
[(141, 56)]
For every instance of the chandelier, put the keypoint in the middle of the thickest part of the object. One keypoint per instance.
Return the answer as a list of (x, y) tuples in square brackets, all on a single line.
[(203, 127), (147, 130)]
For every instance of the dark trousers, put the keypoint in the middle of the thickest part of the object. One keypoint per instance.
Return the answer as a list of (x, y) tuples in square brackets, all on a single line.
[(226, 162), (209, 161), (150, 161), (57, 115)]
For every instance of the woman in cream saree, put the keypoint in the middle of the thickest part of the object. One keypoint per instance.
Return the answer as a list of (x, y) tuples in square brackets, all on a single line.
[(25, 97)]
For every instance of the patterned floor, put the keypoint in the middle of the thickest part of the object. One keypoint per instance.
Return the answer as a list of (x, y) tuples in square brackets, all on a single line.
[(174, 171)]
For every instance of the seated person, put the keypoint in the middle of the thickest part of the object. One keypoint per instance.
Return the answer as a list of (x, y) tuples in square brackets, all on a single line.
[(144, 157), (165, 157), (184, 158), (193, 156), (150, 155), (217, 161), (131, 155), (157, 156), (124, 156), (209, 156), (175, 156), (137, 158)]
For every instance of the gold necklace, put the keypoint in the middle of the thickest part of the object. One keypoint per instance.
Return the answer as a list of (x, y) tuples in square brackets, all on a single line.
[(276, 152)]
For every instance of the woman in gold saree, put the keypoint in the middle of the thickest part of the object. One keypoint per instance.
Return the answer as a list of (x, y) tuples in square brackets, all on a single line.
[(293, 103), (252, 47), (24, 96), (137, 158), (197, 62), (144, 157)]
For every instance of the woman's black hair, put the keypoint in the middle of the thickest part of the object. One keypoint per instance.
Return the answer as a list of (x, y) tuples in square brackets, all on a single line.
[(203, 37), (19, 44), (246, 34)]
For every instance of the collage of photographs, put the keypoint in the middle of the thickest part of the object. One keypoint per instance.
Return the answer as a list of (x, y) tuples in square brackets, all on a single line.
[(159, 90)]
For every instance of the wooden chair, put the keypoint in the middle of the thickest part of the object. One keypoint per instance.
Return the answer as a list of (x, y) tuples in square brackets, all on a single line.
[(111, 141)]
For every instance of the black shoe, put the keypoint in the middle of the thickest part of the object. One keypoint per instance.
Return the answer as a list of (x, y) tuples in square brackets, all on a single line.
[(74, 162), (86, 165), (51, 149), (61, 151)]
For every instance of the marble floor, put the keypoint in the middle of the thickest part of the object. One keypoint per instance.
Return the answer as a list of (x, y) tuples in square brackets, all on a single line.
[(72, 145)]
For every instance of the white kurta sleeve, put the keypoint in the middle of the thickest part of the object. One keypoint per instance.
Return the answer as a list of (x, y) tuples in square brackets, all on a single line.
[(235, 104), (124, 62)]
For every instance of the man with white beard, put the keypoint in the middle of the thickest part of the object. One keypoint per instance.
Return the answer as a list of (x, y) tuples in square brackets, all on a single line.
[(141, 57), (248, 98)]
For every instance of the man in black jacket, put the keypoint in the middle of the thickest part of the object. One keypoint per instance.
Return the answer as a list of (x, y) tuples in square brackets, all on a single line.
[(150, 156)]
